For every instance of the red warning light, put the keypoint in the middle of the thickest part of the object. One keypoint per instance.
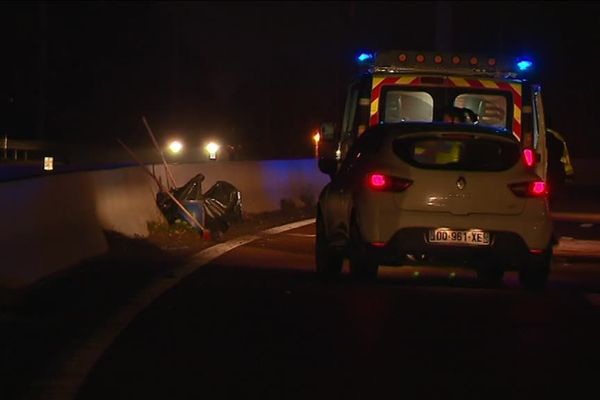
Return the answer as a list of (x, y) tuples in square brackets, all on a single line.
[(473, 61), (402, 57), (492, 62), (456, 60), (420, 58), (538, 188), (378, 181), (437, 59), (529, 157)]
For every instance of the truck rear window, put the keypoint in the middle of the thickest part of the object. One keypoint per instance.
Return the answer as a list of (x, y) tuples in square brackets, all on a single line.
[(468, 153), (408, 106)]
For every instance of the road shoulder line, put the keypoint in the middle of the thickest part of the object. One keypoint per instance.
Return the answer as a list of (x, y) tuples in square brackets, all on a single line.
[(73, 370)]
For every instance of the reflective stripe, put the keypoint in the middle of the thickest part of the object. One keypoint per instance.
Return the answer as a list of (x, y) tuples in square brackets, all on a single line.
[(412, 80), (460, 82), (489, 84)]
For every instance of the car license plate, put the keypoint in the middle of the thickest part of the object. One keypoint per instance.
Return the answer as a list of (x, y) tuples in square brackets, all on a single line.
[(472, 237)]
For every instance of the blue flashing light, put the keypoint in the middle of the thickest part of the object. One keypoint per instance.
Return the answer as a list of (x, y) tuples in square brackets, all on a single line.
[(363, 57), (524, 65)]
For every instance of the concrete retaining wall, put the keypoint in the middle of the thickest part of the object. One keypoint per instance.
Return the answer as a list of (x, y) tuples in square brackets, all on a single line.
[(263, 184), (53, 222)]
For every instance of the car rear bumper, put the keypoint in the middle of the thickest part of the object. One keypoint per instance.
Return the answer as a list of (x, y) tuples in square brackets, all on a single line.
[(524, 232), (506, 248)]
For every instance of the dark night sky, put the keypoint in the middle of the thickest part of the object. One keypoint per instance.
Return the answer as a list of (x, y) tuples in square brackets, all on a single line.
[(260, 74)]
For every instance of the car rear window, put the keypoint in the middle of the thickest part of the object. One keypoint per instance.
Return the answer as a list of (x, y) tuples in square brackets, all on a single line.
[(458, 153)]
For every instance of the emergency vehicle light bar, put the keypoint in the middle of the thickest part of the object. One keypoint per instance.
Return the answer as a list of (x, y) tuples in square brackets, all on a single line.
[(364, 57), (402, 61)]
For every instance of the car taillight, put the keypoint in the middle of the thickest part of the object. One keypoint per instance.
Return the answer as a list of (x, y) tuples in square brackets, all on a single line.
[(529, 157), (530, 189), (381, 182)]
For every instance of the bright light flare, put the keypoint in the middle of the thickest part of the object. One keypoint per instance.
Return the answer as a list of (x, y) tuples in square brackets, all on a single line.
[(538, 188), (524, 65), (364, 57), (175, 147), (212, 149), (377, 181), (317, 137)]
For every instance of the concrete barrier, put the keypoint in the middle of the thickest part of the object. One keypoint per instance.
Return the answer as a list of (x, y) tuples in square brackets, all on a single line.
[(50, 223), (124, 201), (47, 224)]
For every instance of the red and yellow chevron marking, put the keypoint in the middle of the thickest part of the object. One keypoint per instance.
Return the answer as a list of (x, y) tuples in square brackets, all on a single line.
[(378, 84), (514, 88)]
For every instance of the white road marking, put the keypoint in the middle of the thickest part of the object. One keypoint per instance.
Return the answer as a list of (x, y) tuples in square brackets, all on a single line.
[(568, 246), (576, 217), (288, 227), (66, 382), (306, 235)]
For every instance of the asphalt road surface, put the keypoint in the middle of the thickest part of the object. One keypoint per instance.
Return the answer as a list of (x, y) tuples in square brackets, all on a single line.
[(256, 323)]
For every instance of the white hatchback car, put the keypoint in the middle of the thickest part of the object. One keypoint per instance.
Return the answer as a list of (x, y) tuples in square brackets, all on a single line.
[(436, 193)]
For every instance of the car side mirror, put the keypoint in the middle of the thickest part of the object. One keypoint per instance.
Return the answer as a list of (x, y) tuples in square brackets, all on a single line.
[(328, 166), (328, 131)]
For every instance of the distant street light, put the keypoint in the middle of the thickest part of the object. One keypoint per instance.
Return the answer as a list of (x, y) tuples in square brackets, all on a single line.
[(317, 139), (212, 149), (175, 147), (48, 163)]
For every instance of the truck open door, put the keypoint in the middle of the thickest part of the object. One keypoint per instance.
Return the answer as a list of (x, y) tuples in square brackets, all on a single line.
[(539, 132)]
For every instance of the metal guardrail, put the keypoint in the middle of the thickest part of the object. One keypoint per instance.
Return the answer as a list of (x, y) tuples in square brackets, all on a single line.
[(12, 149)]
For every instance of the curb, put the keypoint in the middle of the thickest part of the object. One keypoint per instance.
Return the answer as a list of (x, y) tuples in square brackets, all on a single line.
[(575, 217), (576, 248)]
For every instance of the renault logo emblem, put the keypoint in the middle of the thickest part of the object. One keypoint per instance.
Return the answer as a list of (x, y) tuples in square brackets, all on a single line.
[(461, 183)]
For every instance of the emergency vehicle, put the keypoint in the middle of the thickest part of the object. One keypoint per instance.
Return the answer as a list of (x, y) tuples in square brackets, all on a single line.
[(440, 158), (405, 86)]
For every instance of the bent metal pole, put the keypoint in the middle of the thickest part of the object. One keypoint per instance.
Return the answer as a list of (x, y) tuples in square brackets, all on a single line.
[(162, 189), (162, 156)]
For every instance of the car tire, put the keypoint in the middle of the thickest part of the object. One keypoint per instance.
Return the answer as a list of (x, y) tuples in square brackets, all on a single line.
[(534, 274), (490, 274), (328, 260), (362, 267)]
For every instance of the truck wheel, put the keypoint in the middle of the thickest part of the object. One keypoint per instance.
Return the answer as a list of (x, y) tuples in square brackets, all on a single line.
[(362, 267), (328, 260), (534, 274)]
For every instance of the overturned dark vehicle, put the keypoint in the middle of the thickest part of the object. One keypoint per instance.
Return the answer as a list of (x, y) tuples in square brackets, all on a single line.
[(216, 209)]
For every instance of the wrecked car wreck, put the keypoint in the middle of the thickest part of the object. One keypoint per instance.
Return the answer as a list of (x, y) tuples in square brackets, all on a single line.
[(210, 214), (216, 209)]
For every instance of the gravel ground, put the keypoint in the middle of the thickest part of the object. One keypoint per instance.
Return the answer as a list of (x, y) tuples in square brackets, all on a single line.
[(41, 324)]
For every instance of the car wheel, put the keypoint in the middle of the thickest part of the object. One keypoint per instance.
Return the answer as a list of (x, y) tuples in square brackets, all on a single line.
[(328, 260), (362, 267), (490, 273), (534, 274)]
